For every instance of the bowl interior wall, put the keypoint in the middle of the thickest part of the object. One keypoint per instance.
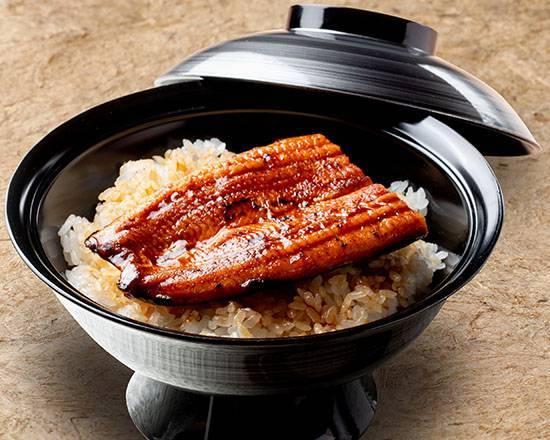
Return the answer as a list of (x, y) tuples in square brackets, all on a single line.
[(380, 155)]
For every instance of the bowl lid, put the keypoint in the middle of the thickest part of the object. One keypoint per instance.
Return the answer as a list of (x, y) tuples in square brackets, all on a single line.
[(377, 56)]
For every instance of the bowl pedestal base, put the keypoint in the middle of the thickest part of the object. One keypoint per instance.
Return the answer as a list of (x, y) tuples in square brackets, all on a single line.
[(163, 412)]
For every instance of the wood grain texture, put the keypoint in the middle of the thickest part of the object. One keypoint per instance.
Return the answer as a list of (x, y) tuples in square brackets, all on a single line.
[(479, 371)]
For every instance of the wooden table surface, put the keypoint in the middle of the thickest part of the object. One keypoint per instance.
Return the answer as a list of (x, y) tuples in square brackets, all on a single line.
[(479, 371)]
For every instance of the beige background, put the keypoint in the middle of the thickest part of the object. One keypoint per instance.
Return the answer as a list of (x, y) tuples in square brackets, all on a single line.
[(479, 371)]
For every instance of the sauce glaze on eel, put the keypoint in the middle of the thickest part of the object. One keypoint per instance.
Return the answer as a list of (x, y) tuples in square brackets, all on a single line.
[(285, 211)]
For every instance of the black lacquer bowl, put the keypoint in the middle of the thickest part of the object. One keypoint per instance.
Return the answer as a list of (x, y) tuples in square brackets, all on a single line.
[(321, 381), (65, 172)]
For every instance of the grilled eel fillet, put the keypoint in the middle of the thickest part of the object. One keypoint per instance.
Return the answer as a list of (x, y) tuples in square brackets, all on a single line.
[(285, 211)]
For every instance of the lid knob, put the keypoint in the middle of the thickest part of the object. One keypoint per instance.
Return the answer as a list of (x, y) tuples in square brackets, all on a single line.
[(363, 23)]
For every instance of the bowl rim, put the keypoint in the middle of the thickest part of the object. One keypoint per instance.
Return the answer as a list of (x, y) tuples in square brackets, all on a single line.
[(466, 269)]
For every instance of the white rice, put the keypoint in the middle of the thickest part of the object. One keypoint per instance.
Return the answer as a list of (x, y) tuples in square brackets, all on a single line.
[(348, 296)]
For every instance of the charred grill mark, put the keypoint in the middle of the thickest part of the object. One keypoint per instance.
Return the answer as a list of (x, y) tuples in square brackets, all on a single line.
[(239, 207)]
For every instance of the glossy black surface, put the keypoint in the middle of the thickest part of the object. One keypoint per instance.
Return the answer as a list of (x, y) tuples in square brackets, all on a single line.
[(64, 173), (370, 24), (163, 412), (375, 56)]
